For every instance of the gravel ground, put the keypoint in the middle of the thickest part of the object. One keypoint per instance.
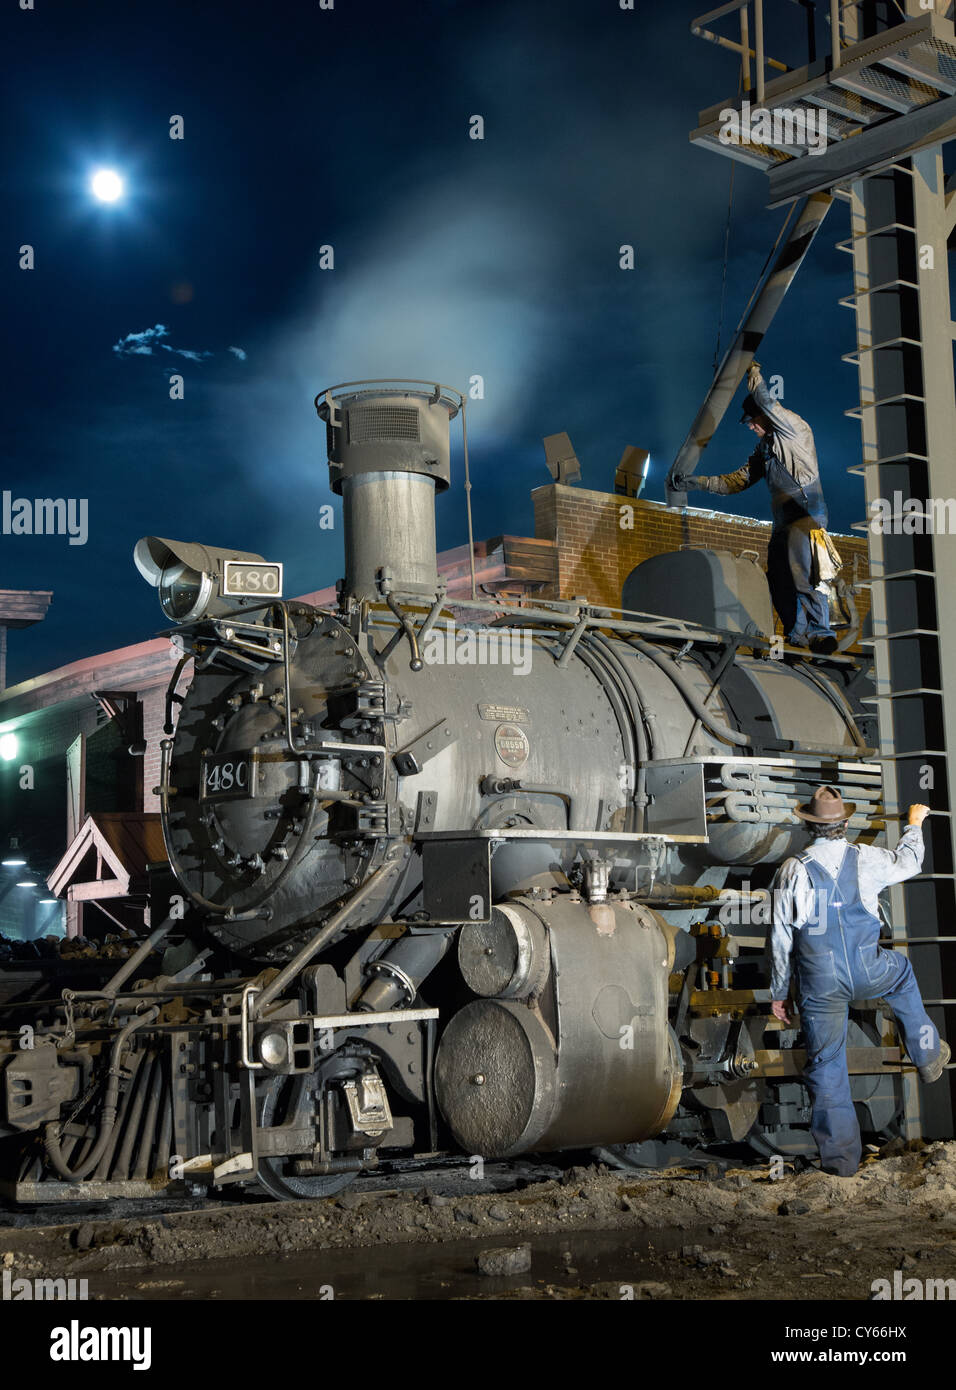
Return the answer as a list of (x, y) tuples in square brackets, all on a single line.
[(592, 1233)]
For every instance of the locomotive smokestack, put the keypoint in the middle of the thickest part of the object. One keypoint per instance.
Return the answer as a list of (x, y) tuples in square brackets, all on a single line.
[(388, 447)]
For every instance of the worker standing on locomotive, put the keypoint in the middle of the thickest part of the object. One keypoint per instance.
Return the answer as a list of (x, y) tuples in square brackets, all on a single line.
[(825, 920), (800, 556)]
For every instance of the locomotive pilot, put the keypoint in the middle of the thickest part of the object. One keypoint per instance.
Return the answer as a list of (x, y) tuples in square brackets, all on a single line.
[(800, 556), (825, 923)]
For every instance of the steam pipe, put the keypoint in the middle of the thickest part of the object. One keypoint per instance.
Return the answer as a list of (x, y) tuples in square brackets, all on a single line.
[(141, 1170), (643, 742), (51, 1134), (596, 662), (321, 938), (408, 627), (674, 673), (691, 893), (134, 961)]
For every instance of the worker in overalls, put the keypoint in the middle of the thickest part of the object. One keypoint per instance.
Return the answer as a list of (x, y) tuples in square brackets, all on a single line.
[(825, 922), (800, 556)]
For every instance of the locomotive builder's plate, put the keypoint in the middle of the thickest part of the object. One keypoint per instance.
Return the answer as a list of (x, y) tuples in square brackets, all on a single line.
[(512, 745), (512, 714)]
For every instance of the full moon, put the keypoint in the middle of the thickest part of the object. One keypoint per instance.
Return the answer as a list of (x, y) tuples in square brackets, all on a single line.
[(107, 185)]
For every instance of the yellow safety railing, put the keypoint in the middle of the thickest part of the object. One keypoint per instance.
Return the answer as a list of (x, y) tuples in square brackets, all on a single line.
[(758, 52)]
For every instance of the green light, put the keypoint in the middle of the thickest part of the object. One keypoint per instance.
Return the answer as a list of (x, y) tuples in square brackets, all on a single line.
[(9, 746)]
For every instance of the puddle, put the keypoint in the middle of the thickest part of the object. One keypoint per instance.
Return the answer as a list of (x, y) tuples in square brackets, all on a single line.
[(439, 1270)]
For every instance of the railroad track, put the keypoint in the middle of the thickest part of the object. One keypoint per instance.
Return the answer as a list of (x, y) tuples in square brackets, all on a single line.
[(451, 1177)]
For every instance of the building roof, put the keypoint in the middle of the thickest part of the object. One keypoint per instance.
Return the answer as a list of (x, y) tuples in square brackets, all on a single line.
[(139, 666), (108, 856), (23, 607)]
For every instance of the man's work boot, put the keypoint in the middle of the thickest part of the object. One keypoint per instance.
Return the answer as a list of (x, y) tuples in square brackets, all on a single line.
[(823, 646), (934, 1070)]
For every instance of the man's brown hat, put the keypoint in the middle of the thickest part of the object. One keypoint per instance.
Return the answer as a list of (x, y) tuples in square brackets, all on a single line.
[(825, 807)]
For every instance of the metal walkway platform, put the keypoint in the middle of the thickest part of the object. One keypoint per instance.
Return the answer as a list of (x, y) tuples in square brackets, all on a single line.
[(862, 105)]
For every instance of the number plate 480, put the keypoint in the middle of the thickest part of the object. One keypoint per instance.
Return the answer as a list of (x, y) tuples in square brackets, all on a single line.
[(228, 775)]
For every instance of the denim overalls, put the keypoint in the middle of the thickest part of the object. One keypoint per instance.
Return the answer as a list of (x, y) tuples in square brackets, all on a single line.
[(797, 510), (837, 958), (789, 501)]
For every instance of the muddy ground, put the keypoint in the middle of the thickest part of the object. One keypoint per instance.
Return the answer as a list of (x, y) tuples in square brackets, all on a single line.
[(593, 1233)]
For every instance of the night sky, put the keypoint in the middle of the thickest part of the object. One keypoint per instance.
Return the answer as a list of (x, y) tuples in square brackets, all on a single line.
[(349, 127)]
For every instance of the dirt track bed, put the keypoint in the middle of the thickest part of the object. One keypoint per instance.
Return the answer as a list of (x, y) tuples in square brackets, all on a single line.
[(594, 1233)]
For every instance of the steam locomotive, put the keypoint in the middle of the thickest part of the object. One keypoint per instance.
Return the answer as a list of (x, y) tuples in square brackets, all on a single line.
[(477, 878)]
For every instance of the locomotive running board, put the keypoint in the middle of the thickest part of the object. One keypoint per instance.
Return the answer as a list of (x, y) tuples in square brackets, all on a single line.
[(584, 837)]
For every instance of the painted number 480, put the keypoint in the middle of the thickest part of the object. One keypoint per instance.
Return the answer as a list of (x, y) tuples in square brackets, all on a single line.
[(226, 776)]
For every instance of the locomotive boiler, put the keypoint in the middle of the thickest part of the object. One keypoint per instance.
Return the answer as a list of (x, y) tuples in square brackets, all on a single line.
[(464, 876)]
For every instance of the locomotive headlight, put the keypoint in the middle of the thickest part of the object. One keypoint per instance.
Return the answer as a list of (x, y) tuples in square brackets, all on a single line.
[(198, 581), (183, 592)]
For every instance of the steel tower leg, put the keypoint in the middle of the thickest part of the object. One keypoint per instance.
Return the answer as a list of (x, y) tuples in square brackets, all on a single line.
[(900, 225)]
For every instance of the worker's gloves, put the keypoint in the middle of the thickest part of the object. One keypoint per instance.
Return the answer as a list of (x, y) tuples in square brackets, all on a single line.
[(690, 482), (753, 375)]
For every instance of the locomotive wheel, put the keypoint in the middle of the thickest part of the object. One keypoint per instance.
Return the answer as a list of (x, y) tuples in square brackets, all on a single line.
[(288, 1187)]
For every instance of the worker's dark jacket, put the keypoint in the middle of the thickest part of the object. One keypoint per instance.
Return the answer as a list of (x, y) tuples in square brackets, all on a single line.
[(787, 458)]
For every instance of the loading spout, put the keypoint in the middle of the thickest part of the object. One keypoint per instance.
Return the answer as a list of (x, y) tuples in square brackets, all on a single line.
[(749, 336)]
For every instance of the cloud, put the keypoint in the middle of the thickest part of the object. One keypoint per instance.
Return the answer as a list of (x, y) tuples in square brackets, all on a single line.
[(141, 344), (186, 352)]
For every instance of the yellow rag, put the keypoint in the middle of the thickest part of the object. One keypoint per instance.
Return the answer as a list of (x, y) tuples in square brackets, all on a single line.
[(825, 561)]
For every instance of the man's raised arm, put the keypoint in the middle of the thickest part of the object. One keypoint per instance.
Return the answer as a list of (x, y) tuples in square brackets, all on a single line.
[(786, 423), (722, 483)]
